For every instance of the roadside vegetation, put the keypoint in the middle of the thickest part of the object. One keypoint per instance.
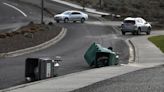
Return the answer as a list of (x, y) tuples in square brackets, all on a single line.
[(151, 10), (27, 30), (158, 41), (28, 36)]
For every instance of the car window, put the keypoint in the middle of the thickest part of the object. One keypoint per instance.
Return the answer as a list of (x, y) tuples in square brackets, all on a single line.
[(143, 21), (129, 21), (75, 13), (138, 21), (66, 13)]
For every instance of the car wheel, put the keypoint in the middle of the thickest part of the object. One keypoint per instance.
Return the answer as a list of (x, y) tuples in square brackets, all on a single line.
[(66, 20), (74, 21), (133, 33), (82, 20), (148, 31), (123, 33), (139, 31), (57, 21)]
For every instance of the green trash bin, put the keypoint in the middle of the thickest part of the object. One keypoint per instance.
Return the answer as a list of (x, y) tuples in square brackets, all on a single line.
[(98, 56)]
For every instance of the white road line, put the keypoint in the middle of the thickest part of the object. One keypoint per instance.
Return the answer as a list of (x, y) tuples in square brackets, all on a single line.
[(16, 9)]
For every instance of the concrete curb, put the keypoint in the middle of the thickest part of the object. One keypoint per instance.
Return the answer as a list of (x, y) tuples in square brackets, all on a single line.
[(132, 51), (13, 26), (36, 48), (132, 48)]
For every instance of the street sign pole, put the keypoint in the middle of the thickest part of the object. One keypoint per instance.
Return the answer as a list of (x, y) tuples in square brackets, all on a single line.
[(100, 3), (83, 5), (42, 10)]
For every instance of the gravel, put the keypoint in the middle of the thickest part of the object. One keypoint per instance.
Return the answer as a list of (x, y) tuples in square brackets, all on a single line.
[(24, 40)]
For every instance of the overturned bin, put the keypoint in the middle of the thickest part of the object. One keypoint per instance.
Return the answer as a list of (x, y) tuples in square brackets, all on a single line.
[(98, 56), (40, 68)]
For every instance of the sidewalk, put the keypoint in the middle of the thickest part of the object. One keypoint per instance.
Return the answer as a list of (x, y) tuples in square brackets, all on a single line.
[(94, 11), (146, 52), (147, 56)]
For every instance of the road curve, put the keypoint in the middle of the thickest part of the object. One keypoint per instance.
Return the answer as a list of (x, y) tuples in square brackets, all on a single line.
[(9, 14), (72, 48)]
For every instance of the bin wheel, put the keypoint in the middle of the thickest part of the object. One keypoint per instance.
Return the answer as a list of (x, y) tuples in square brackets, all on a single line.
[(103, 62), (117, 64), (96, 64), (56, 75), (28, 79)]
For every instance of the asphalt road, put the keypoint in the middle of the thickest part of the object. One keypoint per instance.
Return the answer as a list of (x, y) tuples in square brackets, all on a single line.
[(8, 14), (72, 48), (15, 14)]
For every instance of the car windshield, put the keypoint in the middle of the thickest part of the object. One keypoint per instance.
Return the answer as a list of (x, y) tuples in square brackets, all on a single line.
[(129, 21)]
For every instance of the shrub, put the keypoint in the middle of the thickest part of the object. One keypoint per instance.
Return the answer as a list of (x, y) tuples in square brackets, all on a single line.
[(2, 35), (50, 23), (10, 34)]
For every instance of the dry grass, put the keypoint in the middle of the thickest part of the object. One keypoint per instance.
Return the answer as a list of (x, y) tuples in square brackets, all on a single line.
[(151, 10), (27, 36), (30, 28)]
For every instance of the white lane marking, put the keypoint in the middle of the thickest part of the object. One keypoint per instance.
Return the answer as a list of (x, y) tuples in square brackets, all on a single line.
[(16, 9)]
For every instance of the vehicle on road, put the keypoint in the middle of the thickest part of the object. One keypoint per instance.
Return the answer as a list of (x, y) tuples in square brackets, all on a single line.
[(135, 26), (71, 15)]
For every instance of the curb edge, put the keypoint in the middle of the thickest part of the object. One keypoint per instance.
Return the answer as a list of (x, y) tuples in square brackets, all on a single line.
[(132, 51), (37, 47)]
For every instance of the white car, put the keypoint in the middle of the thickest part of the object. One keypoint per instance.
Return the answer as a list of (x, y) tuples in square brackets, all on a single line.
[(71, 15), (135, 26)]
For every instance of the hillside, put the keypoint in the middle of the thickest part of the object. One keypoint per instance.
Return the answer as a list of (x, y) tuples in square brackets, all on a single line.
[(149, 9)]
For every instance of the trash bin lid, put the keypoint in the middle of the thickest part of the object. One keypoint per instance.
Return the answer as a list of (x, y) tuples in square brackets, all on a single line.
[(103, 49)]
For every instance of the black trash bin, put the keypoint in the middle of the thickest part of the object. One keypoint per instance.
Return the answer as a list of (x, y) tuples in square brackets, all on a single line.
[(39, 68)]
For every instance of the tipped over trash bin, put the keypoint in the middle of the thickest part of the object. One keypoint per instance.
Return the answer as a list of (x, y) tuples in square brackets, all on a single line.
[(99, 56), (40, 68)]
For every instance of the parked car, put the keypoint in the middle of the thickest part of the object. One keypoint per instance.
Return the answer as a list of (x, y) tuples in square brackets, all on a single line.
[(71, 15), (135, 26)]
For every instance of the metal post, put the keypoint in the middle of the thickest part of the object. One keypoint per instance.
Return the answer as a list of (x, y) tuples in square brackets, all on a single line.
[(100, 3), (42, 10), (83, 5)]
